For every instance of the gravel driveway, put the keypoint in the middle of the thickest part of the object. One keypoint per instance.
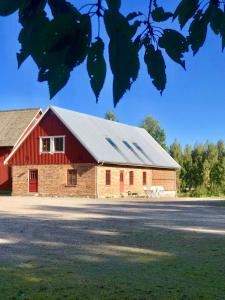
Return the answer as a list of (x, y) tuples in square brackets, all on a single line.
[(56, 248), (47, 221)]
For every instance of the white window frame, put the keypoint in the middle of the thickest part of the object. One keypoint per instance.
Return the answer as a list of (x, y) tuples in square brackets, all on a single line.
[(52, 144)]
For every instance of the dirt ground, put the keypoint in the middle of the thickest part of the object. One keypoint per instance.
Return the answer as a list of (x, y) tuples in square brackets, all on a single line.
[(39, 233), (19, 216)]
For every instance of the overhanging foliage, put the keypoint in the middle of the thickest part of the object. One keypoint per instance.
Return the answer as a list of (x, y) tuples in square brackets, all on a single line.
[(61, 40)]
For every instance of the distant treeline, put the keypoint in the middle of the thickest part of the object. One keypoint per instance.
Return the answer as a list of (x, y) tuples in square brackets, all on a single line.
[(202, 168)]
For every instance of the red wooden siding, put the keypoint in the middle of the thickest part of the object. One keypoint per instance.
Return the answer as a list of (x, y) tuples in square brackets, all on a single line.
[(29, 151), (5, 172)]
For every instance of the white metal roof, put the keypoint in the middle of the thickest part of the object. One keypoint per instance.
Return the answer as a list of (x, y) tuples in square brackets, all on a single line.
[(128, 145)]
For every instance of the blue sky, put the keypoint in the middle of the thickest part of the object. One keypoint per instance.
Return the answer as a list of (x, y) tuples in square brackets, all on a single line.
[(192, 109)]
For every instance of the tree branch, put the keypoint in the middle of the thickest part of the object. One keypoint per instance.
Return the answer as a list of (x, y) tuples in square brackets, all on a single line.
[(150, 10)]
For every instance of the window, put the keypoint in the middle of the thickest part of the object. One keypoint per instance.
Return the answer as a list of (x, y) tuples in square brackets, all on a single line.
[(110, 141), (144, 179), (58, 144), (128, 145), (138, 147), (52, 144), (132, 150), (72, 177), (107, 177), (46, 145), (131, 177)]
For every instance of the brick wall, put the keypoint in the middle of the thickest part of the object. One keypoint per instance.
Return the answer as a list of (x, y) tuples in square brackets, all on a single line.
[(52, 180), (165, 178), (114, 188)]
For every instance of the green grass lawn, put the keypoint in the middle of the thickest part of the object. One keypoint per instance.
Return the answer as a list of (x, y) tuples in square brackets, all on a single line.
[(133, 265)]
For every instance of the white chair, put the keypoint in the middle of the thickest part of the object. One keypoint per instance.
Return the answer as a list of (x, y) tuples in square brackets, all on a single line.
[(154, 191)]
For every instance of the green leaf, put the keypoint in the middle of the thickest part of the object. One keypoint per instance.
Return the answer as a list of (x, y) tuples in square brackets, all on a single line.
[(185, 11), (215, 16), (96, 66), (175, 45), (134, 27), (57, 78), (138, 42), (29, 12), (22, 56), (34, 23), (222, 31), (65, 47), (159, 15), (123, 53), (59, 7), (133, 15), (114, 4), (7, 7), (198, 31), (156, 66), (56, 46)]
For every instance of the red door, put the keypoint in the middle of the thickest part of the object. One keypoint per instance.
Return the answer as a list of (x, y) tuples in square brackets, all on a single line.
[(121, 182), (33, 181)]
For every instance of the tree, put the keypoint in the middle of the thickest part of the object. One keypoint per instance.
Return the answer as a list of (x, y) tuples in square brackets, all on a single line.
[(176, 152), (60, 41), (206, 174), (153, 128), (202, 168), (220, 149), (198, 157), (218, 169), (110, 116), (187, 176)]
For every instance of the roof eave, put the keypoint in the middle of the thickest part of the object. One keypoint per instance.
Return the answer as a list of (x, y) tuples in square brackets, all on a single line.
[(138, 165)]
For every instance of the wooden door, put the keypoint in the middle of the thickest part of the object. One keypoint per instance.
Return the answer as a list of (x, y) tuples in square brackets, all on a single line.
[(121, 182), (33, 181)]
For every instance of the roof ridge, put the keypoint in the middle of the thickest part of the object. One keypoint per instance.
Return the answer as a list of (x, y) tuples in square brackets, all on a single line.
[(20, 109), (96, 117)]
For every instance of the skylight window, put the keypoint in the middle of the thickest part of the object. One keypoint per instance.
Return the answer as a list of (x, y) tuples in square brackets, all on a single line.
[(137, 146), (132, 150), (128, 146), (110, 141), (113, 144)]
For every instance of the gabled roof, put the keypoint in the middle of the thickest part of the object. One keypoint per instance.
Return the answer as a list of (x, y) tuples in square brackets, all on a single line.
[(111, 142), (115, 143), (13, 123)]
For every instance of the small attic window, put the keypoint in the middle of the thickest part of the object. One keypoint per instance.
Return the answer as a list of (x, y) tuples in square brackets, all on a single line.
[(52, 144)]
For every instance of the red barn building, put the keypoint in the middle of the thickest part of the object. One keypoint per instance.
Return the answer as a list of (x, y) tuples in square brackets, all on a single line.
[(13, 125), (69, 153)]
